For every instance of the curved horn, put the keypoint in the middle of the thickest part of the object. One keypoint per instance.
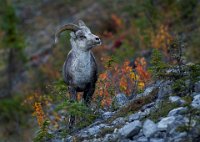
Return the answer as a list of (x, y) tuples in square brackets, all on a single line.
[(71, 27)]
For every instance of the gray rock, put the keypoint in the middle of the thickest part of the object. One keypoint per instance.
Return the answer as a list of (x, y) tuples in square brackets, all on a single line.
[(165, 89), (136, 116), (178, 111), (179, 137), (177, 100), (170, 123), (150, 105), (197, 87), (120, 100), (196, 102), (194, 94), (107, 115), (156, 140), (69, 139), (149, 128), (164, 122), (110, 138), (160, 134), (142, 139), (148, 91), (118, 121), (96, 129), (130, 129)]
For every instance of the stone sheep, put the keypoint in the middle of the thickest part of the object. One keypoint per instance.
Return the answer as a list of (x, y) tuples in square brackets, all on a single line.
[(80, 68)]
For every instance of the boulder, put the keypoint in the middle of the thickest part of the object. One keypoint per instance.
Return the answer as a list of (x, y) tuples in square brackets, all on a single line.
[(170, 123), (165, 90), (178, 111), (177, 100), (149, 128), (164, 122), (142, 139), (179, 137), (118, 121), (107, 115), (120, 100), (196, 102), (110, 137), (136, 116), (95, 129), (130, 129), (148, 91), (157, 140)]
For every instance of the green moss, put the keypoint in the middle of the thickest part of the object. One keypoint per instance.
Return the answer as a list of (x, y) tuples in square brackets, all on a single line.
[(188, 99), (183, 128)]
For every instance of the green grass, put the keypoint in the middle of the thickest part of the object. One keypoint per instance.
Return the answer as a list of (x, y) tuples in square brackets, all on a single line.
[(162, 110), (135, 105)]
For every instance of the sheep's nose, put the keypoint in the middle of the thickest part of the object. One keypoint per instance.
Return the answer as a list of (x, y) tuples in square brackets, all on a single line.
[(97, 39)]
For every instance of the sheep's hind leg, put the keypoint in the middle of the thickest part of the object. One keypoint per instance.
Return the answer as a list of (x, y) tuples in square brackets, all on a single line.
[(87, 95), (73, 98)]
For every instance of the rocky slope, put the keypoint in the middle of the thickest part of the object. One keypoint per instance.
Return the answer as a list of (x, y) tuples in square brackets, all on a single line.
[(152, 116)]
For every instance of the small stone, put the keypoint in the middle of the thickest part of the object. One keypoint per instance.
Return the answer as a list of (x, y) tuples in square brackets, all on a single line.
[(136, 116), (110, 137), (194, 94), (165, 89), (177, 111), (130, 129), (96, 129), (149, 128), (148, 91), (179, 137), (196, 102), (142, 139), (156, 140), (118, 121), (107, 115), (177, 100), (120, 100), (164, 122)]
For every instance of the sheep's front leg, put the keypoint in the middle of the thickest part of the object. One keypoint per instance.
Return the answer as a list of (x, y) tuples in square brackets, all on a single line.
[(72, 93), (73, 98), (87, 95)]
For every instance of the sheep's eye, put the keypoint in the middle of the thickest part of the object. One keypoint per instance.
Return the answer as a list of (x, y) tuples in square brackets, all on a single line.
[(82, 36)]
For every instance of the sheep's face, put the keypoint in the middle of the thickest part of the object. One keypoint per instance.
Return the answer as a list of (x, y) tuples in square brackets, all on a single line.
[(84, 39)]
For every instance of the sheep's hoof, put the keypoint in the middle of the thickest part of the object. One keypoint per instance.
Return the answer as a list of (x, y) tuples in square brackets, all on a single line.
[(71, 121)]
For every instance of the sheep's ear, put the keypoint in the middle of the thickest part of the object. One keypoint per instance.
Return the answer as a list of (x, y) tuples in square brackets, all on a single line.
[(81, 23)]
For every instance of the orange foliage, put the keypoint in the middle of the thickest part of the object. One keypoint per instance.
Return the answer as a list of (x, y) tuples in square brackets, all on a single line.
[(39, 113), (37, 97), (162, 38), (116, 20), (120, 78), (141, 69)]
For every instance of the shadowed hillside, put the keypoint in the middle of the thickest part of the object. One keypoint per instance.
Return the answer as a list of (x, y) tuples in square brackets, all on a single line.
[(148, 71)]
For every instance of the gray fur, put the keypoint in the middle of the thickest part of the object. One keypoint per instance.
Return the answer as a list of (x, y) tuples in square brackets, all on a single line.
[(80, 68)]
